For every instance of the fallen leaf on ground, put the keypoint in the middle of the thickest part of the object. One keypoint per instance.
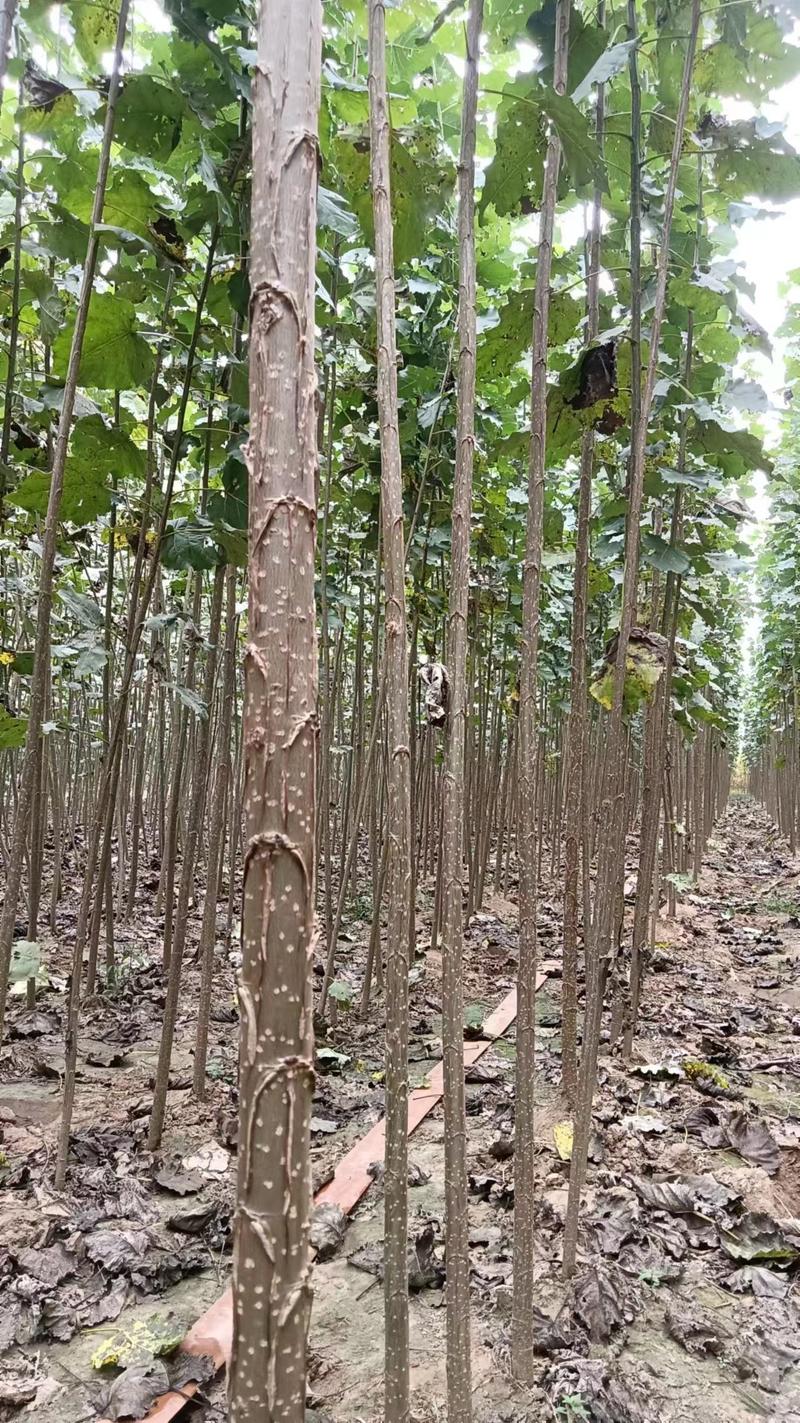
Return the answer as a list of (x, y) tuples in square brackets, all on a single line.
[(328, 1227), (131, 1395)]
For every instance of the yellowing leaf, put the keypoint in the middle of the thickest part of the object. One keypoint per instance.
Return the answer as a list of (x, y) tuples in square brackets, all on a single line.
[(563, 1136)]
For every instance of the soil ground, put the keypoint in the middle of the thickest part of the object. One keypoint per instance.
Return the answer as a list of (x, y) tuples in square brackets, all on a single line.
[(685, 1303)]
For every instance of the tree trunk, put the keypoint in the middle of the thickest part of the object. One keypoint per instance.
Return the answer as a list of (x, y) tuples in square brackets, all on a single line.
[(50, 535), (271, 1281), (612, 845), (576, 749), (399, 759), (459, 1374), (522, 1319)]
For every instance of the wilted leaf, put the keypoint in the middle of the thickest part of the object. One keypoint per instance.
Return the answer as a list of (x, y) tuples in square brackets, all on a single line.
[(131, 1395), (763, 1282), (757, 1236), (696, 1332), (680, 1195), (328, 1228), (140, 1342), (603, 1299), (563, 1134)]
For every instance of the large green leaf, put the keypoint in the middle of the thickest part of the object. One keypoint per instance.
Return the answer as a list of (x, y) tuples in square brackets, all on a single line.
[(581, 151), (611, 61), (97, 451), (149, 116), (115, 356), (189, 543), (418, 186), (513, 181), (95, 25), (12, 730), (664, 556)]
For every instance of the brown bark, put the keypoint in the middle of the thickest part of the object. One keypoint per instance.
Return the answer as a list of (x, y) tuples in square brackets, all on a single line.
[(50, 534), (271, 1283), (399, 758), (522, 1319), (459, 1386), (612, 844), (576, 749)]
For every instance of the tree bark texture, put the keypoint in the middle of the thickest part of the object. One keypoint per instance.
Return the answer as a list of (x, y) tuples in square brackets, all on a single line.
[(522, 1322), (272, 1293), (459, 1386), (399, 759)]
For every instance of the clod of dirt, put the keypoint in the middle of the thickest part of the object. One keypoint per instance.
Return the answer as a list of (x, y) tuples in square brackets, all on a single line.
[(425, 1269), (17, 1389), (554, 1336), (768, 1353), (417, 1175), (192, 1221), (658, 1071), (614, 1220), (211, 1160), (322, 1126), (106, 1055), (479, 1072), (328, 1228)]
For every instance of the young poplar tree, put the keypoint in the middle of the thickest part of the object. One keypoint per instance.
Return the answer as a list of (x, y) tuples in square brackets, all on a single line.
[(459, 1386), (271, 1284), (612, 845), (44, 602), (522, 1319), (398, 827), (576, 771)]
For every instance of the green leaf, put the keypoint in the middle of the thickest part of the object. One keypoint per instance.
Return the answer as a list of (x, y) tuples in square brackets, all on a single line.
[(229, 506), (90, 662), (97, 451), (13, 730), (85, 494), (115, 356), (149, 116), (82, 607), (334, 213), (581, 150), (26, 961), (611, 61), (663, 556), (189, 543), (513, 182), (190, 699), (95, 25)]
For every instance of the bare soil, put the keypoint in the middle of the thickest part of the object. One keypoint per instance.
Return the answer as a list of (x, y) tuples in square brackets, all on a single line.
[(685, 1305)]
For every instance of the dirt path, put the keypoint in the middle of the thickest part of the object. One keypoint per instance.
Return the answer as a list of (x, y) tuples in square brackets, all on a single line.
[(686, 1337), (685, 1304)]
